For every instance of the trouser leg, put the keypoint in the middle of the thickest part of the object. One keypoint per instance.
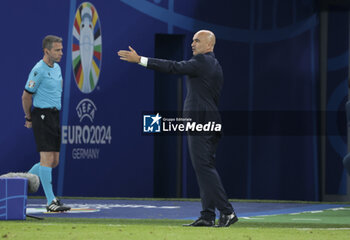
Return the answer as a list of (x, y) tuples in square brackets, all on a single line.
[(202, 152)]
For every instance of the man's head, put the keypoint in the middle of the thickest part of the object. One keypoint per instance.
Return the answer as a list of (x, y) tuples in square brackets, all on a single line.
[(203, 42), (52, 47)]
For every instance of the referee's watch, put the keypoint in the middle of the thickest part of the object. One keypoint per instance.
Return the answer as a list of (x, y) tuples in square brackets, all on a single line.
[(28, 119)]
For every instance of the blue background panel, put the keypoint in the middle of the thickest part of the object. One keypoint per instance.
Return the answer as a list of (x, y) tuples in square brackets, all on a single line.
[(269, 53)]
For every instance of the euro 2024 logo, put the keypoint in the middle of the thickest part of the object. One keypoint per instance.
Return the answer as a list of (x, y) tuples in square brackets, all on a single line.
[(86, 134), (87, 47)]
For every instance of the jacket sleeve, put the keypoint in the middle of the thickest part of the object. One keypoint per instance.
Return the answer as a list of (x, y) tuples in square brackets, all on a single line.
[(191, 67)]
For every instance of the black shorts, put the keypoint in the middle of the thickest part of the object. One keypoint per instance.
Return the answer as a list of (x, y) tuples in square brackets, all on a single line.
[(47, 130)]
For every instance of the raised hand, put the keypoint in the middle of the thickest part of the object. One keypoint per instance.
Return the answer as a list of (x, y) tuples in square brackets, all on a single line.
[(129, 56)]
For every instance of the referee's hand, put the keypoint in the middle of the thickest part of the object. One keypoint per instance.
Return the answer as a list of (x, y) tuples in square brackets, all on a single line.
[(28, 124)]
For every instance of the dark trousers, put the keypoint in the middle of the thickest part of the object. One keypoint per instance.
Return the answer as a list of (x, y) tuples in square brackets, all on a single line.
[(202, 152)]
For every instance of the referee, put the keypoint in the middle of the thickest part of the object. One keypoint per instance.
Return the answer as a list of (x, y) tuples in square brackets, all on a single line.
[(43, 91)]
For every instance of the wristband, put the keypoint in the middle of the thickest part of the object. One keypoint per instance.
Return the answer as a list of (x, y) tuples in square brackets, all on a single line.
[(28, 119)]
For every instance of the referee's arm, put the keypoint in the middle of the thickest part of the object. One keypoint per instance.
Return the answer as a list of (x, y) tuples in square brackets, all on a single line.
[(27, 101)]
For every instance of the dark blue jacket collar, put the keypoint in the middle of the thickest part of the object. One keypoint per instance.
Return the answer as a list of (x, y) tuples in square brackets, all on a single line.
[(211, 54)]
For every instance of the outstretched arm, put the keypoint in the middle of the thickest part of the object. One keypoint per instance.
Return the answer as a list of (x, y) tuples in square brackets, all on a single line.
[(190, 67), (129, 56)]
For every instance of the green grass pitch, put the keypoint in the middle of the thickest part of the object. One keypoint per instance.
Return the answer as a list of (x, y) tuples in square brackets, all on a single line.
[(329, 225)]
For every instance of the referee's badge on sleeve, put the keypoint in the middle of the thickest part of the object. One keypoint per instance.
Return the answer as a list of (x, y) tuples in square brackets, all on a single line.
[(31, 84)]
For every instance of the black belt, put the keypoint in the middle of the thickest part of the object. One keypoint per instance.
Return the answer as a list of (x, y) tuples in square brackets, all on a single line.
[(48, 109)]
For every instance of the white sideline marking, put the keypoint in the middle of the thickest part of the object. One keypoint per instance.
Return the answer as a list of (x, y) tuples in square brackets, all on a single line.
[(320, 211), (341, 208)]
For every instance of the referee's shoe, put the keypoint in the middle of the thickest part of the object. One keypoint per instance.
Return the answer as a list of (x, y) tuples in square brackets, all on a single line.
[(57, 206)]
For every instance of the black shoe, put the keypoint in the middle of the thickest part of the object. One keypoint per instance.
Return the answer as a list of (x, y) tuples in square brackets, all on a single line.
[(57, 206), (227, 220), (201, 222)]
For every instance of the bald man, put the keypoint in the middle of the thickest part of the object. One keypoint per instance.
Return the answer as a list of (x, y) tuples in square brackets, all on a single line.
[(204, 83)]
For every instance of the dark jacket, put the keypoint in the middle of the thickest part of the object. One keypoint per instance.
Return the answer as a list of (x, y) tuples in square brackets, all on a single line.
[(204, 83)]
